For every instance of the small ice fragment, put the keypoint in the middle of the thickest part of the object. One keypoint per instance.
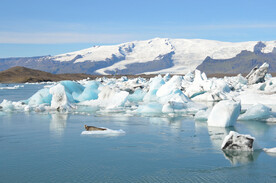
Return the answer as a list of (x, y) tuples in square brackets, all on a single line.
[(270, 151), (107, 132)]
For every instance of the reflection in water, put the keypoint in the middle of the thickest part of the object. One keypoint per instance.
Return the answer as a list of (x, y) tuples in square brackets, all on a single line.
[(240, 157), (217, 135), (58, 123), (257, 128), (174, 123)]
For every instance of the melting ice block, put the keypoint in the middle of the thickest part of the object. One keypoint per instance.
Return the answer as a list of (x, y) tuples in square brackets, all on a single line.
[(224, 113), (237, 142)]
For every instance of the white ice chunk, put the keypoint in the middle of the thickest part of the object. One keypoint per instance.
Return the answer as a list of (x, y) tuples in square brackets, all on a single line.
[(256, 112), (107, 132), (202, 115), (237, 142), (270, 150), (173, 84), (6, 105), (137, 96), (150, 108), (59, 99), (112, 98), (224, 113)]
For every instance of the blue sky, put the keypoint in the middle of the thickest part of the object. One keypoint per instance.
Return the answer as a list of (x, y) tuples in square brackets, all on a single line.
[(32, 27)]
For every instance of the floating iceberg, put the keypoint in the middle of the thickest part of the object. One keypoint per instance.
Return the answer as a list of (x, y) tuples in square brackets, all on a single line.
[(202, 115), (60, 99), (257, 75), (237, 142), (6, 106), (256, 112), (40, 97), (224, 114)]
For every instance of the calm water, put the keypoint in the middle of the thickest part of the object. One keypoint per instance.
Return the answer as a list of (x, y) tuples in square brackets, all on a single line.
[(50, 148)]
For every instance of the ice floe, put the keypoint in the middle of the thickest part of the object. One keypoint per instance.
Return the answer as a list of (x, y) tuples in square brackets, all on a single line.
[(270, 150), (10, 87), (107, 132)]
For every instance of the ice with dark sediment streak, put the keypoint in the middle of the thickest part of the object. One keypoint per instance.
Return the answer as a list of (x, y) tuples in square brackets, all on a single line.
[(257, 75), (237, 142)]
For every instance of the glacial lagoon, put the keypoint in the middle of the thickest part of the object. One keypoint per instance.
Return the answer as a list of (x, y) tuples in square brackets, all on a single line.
[(49, 147)]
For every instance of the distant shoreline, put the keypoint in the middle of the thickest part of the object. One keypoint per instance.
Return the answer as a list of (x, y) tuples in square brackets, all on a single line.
[(23, 75)]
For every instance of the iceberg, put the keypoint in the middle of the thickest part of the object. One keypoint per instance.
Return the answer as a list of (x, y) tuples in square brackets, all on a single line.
[(90, 91), (256, 112), (257, 75), (202, 115), (237, 142), (59, 100), (224, 113), (151, 108), (173, 84), (6, 106), (40, 97)]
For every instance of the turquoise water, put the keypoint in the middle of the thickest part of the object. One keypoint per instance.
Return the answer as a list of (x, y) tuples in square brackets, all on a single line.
[(50, 148)]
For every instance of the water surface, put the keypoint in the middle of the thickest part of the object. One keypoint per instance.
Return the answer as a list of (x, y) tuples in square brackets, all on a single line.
[(42, 147)]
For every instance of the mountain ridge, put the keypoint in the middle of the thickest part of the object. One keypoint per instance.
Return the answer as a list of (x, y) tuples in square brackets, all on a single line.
[(159, 55)]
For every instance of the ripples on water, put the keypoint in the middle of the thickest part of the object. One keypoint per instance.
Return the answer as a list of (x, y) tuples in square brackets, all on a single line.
[(50, 148)]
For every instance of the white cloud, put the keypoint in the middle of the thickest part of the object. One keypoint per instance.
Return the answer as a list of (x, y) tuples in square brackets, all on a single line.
[(63, 37)]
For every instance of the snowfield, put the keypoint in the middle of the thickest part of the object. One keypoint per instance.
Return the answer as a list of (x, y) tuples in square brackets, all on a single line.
[(187, 53)]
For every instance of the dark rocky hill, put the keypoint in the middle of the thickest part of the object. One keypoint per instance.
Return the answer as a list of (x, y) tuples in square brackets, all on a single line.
[(241, 63), (23, 74)]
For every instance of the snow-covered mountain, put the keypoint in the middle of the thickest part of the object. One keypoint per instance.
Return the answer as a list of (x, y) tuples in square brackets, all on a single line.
[(185, 54), (159, 55)]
